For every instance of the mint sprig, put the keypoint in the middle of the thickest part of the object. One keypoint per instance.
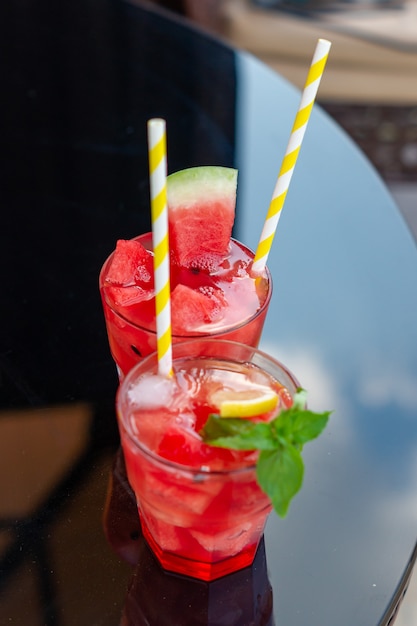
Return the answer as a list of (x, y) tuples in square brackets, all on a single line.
[(280, 467)]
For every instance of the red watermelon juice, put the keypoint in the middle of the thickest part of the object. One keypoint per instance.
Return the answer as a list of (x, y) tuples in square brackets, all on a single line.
[(224, 301), (202, 511)]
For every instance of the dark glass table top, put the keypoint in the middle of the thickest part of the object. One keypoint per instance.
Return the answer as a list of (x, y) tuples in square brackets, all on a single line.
[(79, 81)]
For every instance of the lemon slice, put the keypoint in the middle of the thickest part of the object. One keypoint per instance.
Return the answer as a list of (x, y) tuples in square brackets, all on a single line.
[(245, 403)]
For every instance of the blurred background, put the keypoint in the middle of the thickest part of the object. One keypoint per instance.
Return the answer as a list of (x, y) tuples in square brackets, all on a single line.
[(369, 86)]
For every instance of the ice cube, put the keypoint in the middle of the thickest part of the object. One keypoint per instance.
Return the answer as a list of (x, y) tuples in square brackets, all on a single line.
[(152, 392)]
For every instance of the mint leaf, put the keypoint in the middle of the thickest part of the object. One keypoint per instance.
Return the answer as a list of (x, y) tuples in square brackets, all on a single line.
[(300, 399), (299, 426), (280, 475), (237, 434), (280, 467)]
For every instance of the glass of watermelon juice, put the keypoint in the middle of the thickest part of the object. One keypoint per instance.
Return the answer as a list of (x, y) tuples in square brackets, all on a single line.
[(224, 302), (213, 293), (201, 509)]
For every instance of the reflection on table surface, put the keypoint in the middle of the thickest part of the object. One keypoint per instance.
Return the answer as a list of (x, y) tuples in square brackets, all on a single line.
[(158, 597), (81, 81)]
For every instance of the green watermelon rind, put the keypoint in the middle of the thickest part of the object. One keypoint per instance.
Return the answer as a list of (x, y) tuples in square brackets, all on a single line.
[(194, 185)]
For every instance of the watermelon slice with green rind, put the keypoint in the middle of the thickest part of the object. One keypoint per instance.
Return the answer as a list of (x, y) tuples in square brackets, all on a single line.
[(201, 212)]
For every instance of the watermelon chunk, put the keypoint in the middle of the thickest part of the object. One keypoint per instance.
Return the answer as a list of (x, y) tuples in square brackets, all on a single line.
[(201, 212), (131, 265), (192, 308), (127, 296), (230, 541), (180, 446)]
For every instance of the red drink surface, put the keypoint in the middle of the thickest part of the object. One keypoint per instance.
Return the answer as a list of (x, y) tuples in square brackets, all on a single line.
[(225, 301), (201, 508)]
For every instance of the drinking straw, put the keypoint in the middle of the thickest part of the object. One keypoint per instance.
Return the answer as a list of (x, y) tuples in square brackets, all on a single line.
[(293, 148), (159, 218)]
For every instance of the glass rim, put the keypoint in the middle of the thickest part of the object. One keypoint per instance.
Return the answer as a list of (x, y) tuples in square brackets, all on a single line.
[(197, 335), (153, 357)]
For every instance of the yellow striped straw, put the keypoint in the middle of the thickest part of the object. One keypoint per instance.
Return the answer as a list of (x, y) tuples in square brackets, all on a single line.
[(294, 144), (159, 216)]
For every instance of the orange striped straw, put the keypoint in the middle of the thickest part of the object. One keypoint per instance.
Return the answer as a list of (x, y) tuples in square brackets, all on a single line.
[(294, 144), (159, 215)]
